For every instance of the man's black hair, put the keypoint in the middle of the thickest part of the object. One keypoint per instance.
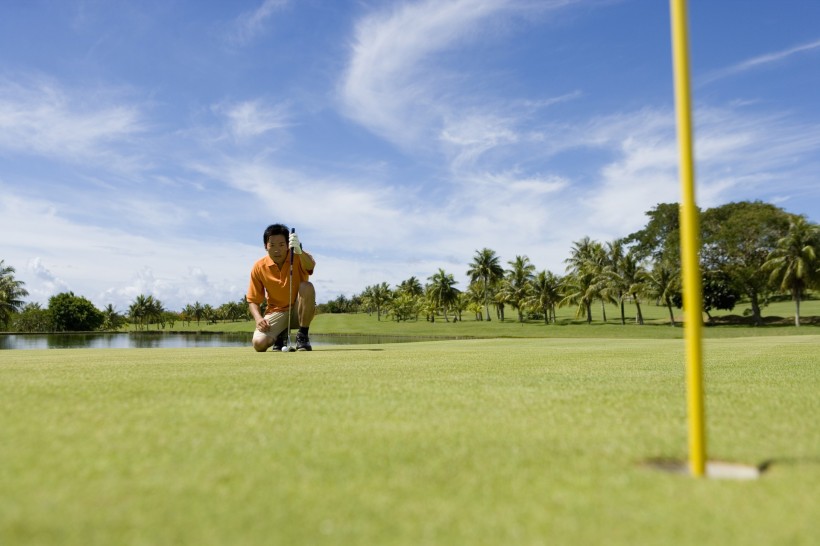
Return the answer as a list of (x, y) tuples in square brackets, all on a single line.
[(275, 229)]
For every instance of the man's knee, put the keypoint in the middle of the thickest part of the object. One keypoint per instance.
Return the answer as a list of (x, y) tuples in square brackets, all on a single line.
[(307, 291)]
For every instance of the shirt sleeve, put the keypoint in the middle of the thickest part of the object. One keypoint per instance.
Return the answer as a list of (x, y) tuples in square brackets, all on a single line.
[(256, 290)]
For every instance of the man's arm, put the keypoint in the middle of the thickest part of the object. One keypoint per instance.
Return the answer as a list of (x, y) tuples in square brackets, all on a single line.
[(305, 259), (256, 312), (308, 263)]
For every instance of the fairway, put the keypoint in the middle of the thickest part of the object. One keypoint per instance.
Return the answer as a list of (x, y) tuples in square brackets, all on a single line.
[(513, 441)]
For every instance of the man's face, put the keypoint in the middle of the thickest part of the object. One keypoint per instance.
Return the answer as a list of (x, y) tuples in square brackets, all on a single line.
[(277, 248)]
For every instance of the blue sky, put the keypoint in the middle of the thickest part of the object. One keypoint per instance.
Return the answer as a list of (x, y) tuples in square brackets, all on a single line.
[(145, 145)]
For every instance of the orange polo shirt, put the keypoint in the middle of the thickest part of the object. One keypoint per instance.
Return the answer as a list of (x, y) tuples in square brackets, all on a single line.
[(269, 282)]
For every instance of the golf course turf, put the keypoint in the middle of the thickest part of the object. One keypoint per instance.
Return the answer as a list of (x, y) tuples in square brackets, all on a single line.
[(492, 441)]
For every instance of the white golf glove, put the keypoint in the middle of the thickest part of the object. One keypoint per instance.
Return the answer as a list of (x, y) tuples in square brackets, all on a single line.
[(295, 244)]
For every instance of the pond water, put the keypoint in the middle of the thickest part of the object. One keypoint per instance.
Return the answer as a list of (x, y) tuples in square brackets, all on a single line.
[(160, 340)]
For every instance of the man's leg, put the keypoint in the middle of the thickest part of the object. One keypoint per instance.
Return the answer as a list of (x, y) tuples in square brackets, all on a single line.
[(306, 304), (306, 310), (277, 323)]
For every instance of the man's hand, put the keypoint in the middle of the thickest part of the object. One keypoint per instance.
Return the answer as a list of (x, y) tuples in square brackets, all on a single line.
[(262, 325), (294, 243)]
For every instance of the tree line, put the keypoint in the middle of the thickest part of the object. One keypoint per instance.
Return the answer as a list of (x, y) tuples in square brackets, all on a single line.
[(67, 312), (750, 250)]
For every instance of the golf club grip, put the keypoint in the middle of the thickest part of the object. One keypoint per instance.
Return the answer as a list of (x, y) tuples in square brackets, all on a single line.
[(292, 230)]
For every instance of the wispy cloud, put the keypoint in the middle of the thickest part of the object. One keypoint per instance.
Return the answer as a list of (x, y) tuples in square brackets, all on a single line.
[(397, 83), (757, 62), (45, 238), (39, 117), (253, 118), (251, 23), (738, 156)]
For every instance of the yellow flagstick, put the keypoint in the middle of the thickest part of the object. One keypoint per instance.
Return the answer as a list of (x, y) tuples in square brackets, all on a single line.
[(690, 242)]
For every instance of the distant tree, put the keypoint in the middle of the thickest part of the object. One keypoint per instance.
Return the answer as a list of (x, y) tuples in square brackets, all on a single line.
[(341, 304), (442, 290), (112, 320), (660, 238), (614, 287), (486, 270), (404, 306), (169, 318), (545, 294), (793, 263), (70, 313), (634, 277), (717, 290), (586, 279), (737, 240), (588, 264), (187, 314), (518, 284), (198, 312), (663, 282), (579, 288), (233, 310), (210, 314), (378, 297), (32, 318), (499, 299), (11, 294), (154, 311), (411, 286), (475, 300), (138, 311)]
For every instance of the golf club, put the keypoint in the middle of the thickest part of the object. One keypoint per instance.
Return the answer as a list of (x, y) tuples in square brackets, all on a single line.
[(287, 348)]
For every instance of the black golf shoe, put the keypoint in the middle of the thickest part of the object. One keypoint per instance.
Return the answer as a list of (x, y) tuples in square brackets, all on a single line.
[(281, 339), (303, 342)]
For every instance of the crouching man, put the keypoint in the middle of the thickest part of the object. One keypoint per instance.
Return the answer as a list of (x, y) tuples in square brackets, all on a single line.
[(290, 299)]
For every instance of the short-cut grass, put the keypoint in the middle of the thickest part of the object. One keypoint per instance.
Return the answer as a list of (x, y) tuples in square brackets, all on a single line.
[(505, 441), (656, 325)]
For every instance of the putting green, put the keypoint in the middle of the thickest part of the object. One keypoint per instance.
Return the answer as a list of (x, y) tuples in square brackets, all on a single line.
[(528, 441)]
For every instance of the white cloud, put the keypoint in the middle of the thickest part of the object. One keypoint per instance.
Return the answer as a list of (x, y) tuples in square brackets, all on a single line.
[(108, 265), (738, 155), (253, 118), (38, 117), (395, 85), (251, 23), (757, 62)]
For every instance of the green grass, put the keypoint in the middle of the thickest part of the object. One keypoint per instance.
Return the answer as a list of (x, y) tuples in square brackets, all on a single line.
[(657, 325), (535, 441)]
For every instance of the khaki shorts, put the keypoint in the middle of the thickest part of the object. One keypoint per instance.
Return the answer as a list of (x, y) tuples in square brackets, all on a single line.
[(278, 323)]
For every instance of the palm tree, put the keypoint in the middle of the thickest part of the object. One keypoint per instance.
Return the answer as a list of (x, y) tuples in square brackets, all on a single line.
[(634, 277), (545, 294), (154, 311), (612, 276), (500, 300), (112, 320), (209, 314), (197, 311), (662, 283), (518, 283), (486, 270), (793, 262), (579, 289), (475, 299), (442, 291), (588, 262), (411, 286), (138, 310), (404, 306), (377, 296), (11, 294)]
